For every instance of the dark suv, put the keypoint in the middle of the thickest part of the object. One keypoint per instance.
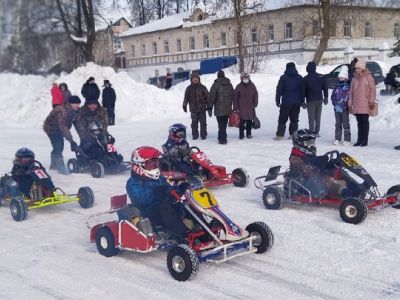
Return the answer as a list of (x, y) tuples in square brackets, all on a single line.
[(372, 66)]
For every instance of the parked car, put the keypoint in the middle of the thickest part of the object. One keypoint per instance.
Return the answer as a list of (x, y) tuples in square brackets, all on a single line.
[(372, 66), (177, 77), (395, 70)]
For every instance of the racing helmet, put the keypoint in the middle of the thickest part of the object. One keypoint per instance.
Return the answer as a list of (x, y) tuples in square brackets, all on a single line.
[(177, 133), (24, 157), (95, 127), (304, 140), (145, 162)]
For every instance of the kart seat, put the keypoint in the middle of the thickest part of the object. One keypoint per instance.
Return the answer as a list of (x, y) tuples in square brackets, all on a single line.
[(118, 201)]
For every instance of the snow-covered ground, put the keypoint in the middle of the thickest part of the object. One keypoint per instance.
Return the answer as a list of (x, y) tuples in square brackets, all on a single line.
[(315, 256)]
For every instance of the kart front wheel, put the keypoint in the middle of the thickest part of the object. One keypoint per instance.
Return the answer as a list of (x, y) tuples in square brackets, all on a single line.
[(97, 170), (240, 177), (264, 237), (18, 209), (395, 190), (73, 165), (273, 197), (105, 242), (86, 197), (353, 210), (183, 263)]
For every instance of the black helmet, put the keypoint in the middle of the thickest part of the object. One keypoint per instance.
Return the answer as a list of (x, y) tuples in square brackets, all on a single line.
[(177, 133), (304, 140), (24, 157)]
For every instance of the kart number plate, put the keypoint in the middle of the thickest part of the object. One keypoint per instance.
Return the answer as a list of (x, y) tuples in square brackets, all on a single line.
[(201, 156), (40, 174), (111, 148), (351, 162), (204, 198)]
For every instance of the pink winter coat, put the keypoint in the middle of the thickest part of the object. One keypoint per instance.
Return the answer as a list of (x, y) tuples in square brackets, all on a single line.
[(362, 93)]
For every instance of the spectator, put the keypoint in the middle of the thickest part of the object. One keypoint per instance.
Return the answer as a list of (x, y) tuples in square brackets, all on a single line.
[(221, 99), (352, 68), (362, 100), (56, 95), (168, 81), (289, 97), (316, 90), (90, 90), (196, 95), (65, 92), (109, 98), (245, 101)]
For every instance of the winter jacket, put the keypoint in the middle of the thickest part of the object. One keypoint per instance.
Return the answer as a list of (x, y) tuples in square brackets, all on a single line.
[(340, 96), (90, 91), (221, 97), (56, 95), (85, 116), (59, 121), (109, 97), (197, 96), (22, 177), (245, 100), (362, 93), (65, 92), (176, 152), (290, 88), (315, 85)]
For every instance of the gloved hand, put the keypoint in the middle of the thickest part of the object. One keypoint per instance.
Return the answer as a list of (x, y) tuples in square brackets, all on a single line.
[(338, 109), (209, 111), (278, 104), (371, 106), (325, 101), (184, 108), (111, 140), (74, 146), (184, 186), (304, 105)]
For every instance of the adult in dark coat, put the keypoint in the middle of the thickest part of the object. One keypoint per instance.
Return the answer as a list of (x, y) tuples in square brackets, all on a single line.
[(221, 99), (109, 98), (316, 91), (245, 101), (90, 90), (289, 98), (66, 93), (196, 95), (168, 81)]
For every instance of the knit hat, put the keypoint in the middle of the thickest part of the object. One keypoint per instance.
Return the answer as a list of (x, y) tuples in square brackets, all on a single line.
[(91, 101), (290, 65), (361, 64), (244, 75), (90, 78), (74, 99), (106, 81), (220, 74), (311, 67), (344, 72)]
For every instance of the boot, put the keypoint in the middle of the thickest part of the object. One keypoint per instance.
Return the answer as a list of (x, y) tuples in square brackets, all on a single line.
[(53, 165), (61, 169)]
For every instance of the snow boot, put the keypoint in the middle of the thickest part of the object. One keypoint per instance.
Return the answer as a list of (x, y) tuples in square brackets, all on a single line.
[(61, 169), (53, 164)]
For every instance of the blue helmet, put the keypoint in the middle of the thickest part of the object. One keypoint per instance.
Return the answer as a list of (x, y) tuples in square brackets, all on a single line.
[(24, 157), (177, 133)]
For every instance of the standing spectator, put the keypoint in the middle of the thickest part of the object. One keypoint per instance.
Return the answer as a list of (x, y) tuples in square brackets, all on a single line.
[(362, 100), (168, 81), (340, 99), (109, 98), (245, 101), (90, 90), (65, 92), (289, 97), (352, 68), (221, 98), (316, 90), (196, 95), (56, 95)]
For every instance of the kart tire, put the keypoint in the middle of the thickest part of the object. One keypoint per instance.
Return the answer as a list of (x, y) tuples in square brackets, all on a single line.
[(353, 210), (395, 190), (265, 237), (86, 197), (18, 209), (97, 170), (73, 165), (273, 197), (182, 262), (105, 242), (240, 177)]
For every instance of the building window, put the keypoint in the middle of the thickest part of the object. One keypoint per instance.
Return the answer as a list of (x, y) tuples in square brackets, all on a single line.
[(154, 48), (347, 28), (133, 51), (117, 43), (253, 34), (143, 49), (206, 42), (223, 38), (236, 37), (271, 33), (288, 30), (178, 45), (316, 29), (192, 43), (166, 47), (396, 30), (368, 30)]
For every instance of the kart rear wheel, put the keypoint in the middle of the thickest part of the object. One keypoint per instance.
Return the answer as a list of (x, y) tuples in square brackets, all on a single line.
[(18, 209), (182, 262), (240, 177), (105, 242), (73, 165), (353, 210), (273, 197), (86, 197), (264, 236), (395, 190), (97, 170)]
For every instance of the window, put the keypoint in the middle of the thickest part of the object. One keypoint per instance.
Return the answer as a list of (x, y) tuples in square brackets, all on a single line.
[(143, 49), (288, 30), (223, 38), (236, 37), (253, 34), (178, 45), (133, 51), (117, 43), (396, 30), (316, 29), (271, 33), (192, 43), (347, 28), (206, 42), (368, 30), (154, 48), (166, 47)]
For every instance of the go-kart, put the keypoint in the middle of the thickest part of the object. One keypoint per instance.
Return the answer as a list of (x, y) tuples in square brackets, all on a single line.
[(42, 193), (211, 175), (343, 167), (217, 238)]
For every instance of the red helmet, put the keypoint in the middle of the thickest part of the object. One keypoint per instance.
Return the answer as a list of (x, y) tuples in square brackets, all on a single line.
[(145, 162)]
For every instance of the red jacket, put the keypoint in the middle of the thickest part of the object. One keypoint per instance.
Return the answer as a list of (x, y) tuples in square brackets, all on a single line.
[(56, 95)]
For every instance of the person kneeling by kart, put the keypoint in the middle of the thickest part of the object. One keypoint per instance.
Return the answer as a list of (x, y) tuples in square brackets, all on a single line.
[(176, 149), (150, 192), (314, 172)]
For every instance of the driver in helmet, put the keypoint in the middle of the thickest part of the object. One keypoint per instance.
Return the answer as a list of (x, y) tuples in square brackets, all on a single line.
[(150, 192), (177, 150), (24, 161)]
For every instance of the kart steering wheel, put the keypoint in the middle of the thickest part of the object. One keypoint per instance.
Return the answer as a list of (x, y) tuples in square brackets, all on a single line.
[(194, 148), (332, 155)]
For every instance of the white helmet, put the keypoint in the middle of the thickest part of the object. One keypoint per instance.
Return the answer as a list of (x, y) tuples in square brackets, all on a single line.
[(145, 162)]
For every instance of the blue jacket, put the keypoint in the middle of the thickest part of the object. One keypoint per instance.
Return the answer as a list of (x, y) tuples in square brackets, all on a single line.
[(290, 88), (315, 84), (340, 96)]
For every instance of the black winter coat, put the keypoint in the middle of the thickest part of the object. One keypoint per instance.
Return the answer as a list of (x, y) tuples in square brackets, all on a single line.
[(90, 91), (290, 88), (221, 97), (109, 97), (315, 85), (197, 96)]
